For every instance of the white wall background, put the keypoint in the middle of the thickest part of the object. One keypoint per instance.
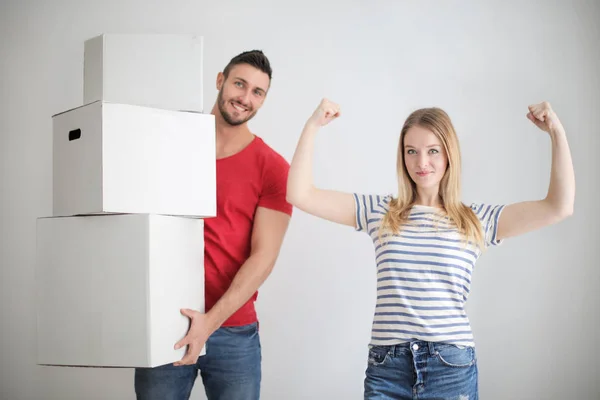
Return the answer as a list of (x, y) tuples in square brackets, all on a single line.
[(535, 303)]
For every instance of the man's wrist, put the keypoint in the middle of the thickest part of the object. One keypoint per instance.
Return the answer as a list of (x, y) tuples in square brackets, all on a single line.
[(214, 320)]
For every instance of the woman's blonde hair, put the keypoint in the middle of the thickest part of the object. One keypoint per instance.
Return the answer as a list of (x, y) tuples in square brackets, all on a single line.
[(437, 121)]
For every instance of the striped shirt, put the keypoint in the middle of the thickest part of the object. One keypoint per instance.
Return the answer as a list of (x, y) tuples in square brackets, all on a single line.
[(423, 273)]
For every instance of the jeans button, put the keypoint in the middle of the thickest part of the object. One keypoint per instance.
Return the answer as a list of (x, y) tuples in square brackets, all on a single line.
[(415, 347)]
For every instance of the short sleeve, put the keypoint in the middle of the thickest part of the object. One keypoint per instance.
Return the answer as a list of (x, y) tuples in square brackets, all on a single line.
[(489, 216), (369, 211), (274, 186)]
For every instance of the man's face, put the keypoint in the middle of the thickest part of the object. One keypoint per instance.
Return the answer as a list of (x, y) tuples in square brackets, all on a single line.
[(242, 94)]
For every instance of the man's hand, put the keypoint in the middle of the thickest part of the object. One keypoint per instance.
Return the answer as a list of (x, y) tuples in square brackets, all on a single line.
[(200, 329)]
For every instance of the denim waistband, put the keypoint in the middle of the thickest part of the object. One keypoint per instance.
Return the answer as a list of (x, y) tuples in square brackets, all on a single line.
[(416, 347)]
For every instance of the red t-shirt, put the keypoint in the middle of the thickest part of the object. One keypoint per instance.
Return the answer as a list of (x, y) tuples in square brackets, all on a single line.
[(254, 177)]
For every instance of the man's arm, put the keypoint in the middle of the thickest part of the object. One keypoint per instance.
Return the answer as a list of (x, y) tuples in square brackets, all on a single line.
[(267, 236), (268, 232)]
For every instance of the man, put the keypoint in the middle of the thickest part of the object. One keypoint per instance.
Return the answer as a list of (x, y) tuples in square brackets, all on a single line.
[(241, 246)]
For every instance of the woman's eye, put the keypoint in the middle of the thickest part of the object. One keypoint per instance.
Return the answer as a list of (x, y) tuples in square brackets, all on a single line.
[(433, 151)]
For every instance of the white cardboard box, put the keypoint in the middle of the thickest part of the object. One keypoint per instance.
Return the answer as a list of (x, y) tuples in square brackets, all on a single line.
[(120, 158), (154, 70), (110, 288)]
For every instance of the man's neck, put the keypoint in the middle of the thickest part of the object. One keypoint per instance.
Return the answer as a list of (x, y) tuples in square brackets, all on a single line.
[(229, 139)]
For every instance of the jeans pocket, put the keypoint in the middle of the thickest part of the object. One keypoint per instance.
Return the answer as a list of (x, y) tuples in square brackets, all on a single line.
[(243, 330), (377, 355), (454, 356)]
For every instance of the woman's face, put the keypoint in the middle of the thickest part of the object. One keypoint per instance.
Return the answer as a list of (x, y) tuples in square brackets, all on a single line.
[(424, 157)]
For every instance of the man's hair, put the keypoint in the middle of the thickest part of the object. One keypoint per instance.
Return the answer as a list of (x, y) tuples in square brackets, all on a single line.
[(255, 58)]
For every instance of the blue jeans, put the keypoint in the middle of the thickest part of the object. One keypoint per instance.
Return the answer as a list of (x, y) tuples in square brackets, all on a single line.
[(421, 370), (230, 370)]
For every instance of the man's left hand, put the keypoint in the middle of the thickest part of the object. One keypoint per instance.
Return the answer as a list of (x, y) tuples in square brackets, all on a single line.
[(196, 337)]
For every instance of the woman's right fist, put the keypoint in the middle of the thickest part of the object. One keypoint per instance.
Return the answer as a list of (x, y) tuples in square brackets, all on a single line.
[(326, 112)]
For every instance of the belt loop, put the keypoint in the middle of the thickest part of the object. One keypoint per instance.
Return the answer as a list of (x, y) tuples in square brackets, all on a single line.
[(432, 350)]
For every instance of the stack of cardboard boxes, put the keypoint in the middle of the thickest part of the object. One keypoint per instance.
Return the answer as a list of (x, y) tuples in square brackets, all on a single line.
[(134, 176)]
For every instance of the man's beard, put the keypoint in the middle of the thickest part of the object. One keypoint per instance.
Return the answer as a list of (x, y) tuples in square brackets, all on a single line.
[(228, 117)]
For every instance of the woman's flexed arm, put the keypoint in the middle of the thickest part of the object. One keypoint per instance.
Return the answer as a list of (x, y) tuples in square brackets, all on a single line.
[(520, 218), (301, 192)]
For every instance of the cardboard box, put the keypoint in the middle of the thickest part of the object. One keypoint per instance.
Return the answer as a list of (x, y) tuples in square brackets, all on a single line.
[(110, 288), (120, 158), (162, 71)]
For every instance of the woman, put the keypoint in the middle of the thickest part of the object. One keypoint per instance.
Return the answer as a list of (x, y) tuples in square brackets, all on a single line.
[(427, 242)]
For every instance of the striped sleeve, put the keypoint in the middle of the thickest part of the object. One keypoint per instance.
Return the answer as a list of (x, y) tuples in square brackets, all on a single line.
[(368, 211), (489, 216)]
